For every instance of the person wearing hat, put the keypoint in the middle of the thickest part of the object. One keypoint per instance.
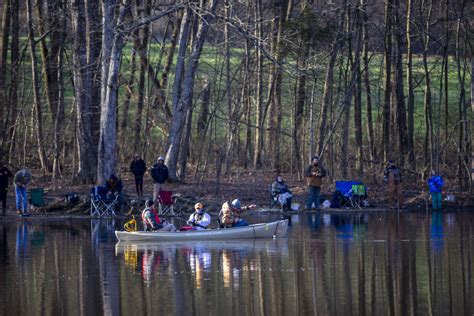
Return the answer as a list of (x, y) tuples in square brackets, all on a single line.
[(138, 168), (314, 178), (230, 214), (393, 179), (200, 220), (159, 174), (4, 175)]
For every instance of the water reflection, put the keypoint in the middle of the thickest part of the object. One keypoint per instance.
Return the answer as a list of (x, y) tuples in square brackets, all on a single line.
[(331, 264)]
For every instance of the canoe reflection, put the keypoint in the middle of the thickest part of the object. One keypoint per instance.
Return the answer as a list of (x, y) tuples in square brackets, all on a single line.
[(201, 259)]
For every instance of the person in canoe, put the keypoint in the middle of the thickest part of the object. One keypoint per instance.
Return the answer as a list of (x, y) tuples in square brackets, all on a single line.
[(199, 220), (229, 215), (151, 220)]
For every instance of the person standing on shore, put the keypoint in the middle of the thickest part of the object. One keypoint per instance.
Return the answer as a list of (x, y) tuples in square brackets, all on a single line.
[(393, 178), (435, 184), (138, 168), (21, 180), (314, 178), (4, 175), (159, 173)]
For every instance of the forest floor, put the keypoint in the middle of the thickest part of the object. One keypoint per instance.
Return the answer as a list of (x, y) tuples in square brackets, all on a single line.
[(251, 187)]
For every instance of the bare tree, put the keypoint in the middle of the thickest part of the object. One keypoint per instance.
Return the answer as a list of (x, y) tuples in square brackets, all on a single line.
[(107, 153), (182, 97), (36, 90)]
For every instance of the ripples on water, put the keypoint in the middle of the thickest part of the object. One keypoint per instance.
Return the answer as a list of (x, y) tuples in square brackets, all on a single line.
[(361, 264)]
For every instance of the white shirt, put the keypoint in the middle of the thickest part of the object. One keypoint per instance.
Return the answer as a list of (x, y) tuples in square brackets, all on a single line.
[(200, 224)]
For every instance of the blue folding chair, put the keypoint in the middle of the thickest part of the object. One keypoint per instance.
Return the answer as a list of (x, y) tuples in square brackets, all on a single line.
[(345, 188), (101, 204)]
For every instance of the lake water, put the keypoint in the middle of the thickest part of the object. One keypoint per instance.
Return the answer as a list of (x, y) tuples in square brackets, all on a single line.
[(348, 264)]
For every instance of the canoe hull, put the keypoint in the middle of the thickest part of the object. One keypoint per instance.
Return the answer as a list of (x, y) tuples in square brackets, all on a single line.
[(265, 230)]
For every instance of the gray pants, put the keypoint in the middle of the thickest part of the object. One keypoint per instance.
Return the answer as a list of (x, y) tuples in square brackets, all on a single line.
[(157, 187)]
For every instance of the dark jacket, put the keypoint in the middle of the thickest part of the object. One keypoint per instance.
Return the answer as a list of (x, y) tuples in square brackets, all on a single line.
[(114, 184), (159, 173), (138, 168), (4, 175), (392, 174)]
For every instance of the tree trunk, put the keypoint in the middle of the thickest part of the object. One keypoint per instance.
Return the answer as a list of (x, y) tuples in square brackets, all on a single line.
[(358, 95), (463, 161), (370, 124), (299, 107), (128, 95), (388, 66), (59, 121), (85, 143), (142, 50), (472, 109), (327, 94), (257, 156), (343, 163), (411, 94), (182, 98), (93, 75), (10, 126), (169, 62), (429, 141), (399, 87), (228, 80), (5, 34), (36, 91), (107, 152), (185, 147), (275, 111)]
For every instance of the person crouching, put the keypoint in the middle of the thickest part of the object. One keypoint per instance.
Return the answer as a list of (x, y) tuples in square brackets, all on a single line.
[(199, 220)]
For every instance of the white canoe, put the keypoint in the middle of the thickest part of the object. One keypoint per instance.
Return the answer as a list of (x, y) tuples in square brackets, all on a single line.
[(264, 230)]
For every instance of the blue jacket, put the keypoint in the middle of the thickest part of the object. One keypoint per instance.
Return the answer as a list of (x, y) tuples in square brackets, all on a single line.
[(435, 183)]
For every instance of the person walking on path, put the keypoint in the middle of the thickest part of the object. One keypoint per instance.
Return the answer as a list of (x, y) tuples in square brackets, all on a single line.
[(21, 180), (314, 178), (393, 178), (138, 168), (435, 184), (4, 175), (159, 174)]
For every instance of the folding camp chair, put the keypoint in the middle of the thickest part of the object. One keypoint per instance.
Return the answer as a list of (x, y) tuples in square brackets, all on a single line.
[(345, 188), (358, 194), (165, 203), (101, 204), (37, 201)]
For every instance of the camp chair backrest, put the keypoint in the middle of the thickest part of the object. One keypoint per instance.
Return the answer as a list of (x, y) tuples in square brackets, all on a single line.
[(358, 189), (166, 197), (345, 187), (37, 197), (99, 192)]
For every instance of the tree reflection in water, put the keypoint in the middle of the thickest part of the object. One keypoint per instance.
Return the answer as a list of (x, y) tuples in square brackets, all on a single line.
[(331, 264)]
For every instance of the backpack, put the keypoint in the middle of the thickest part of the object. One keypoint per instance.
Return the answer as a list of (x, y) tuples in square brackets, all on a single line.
[(72, 198)]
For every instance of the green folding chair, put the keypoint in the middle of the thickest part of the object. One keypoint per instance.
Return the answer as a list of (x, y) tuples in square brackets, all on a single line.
[(37, 197), (359, 193)]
